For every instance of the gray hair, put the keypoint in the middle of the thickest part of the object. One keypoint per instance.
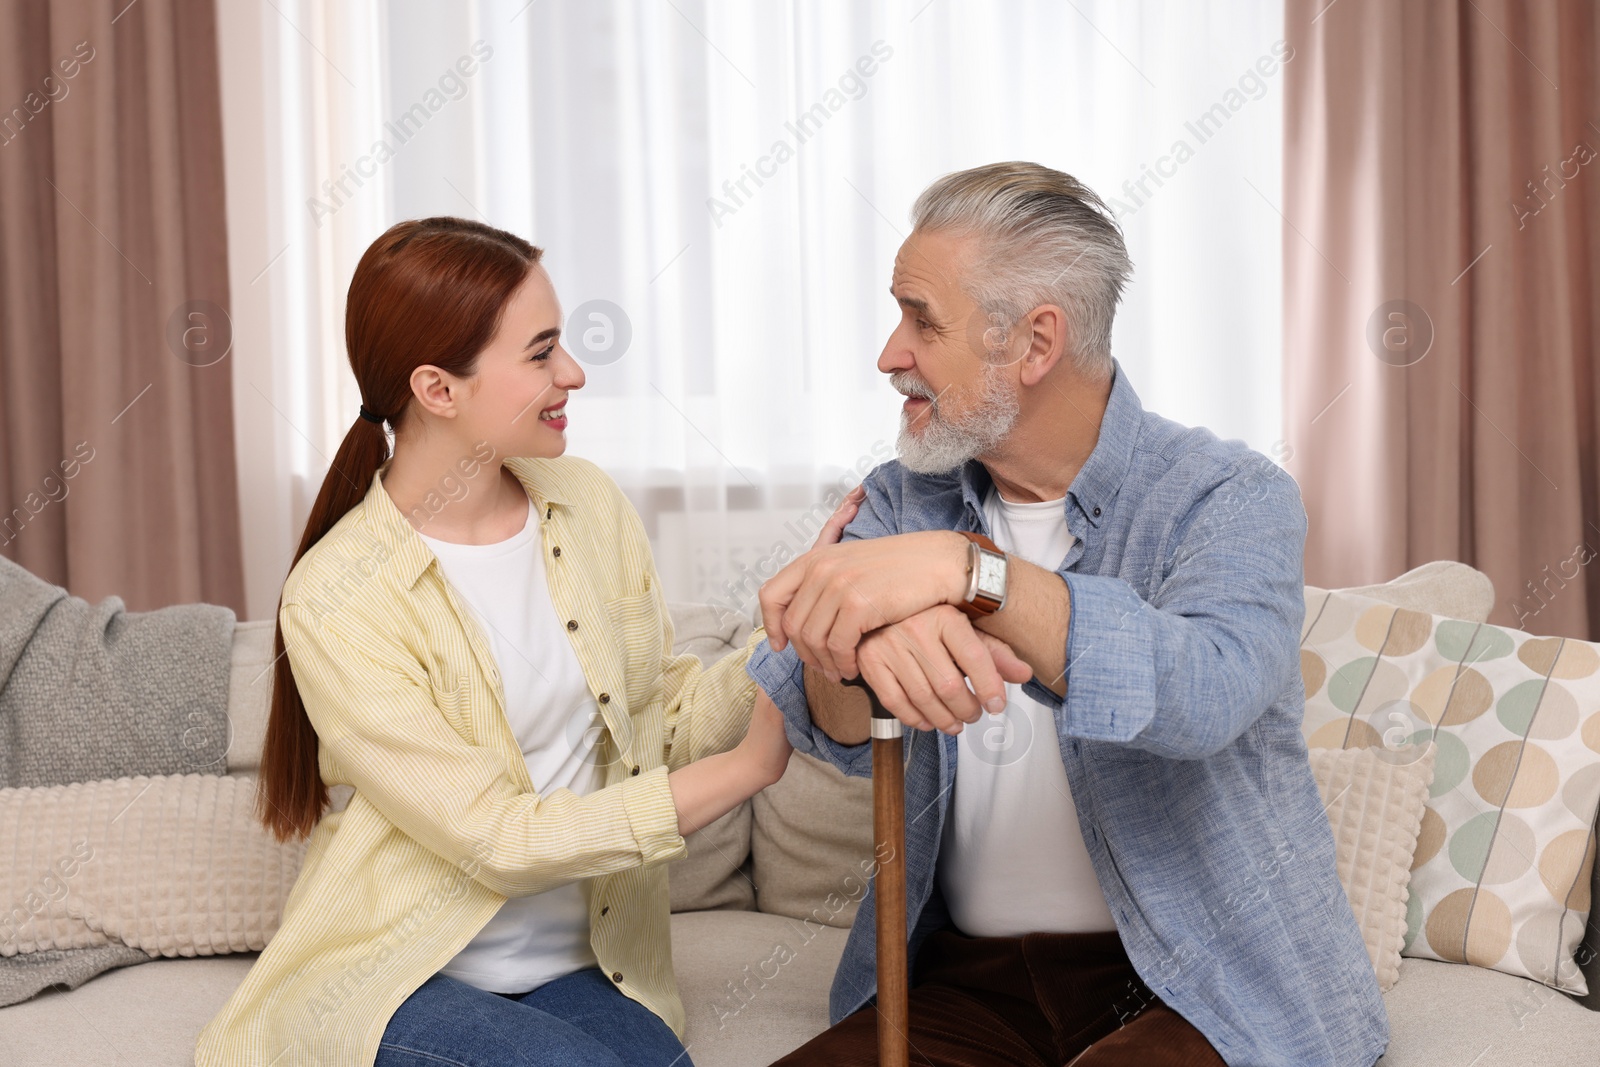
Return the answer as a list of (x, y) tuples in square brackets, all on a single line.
[(1044, 238)]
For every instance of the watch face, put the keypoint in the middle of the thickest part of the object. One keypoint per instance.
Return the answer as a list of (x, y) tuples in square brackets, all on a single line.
[(991, 574)]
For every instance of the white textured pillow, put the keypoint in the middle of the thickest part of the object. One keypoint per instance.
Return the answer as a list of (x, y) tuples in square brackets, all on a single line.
[(175, 865), (1442, 587), (1374, 799)]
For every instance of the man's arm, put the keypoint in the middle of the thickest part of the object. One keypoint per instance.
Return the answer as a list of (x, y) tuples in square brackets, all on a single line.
[(840, 711), (1181, 675), (1035, 621), (1184, 674)]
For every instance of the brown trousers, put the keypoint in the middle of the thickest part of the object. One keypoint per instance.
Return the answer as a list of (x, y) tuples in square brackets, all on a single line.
[(1041, 1000)]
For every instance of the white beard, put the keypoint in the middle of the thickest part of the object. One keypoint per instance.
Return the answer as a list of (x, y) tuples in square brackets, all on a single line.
[(940, 444)]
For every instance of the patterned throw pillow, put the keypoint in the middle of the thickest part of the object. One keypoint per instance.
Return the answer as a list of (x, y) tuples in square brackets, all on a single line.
[(1503, 862)]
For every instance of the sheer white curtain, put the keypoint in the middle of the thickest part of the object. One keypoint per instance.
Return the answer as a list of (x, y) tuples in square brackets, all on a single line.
[(720, 189)]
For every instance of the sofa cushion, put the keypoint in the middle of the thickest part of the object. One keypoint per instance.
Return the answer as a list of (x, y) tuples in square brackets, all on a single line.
[(1453, 1015), (811, 845), (136, 1016), (754, 986), (714, 874), (1588, 953), (1503, 867), (1374, 803)]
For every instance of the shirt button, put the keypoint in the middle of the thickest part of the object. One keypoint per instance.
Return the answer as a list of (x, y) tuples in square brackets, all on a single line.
[(616, 976), (605, 698), (572, 624), (1097, 512), (605, 909), (547, 512), (634, 771), (556, 551)]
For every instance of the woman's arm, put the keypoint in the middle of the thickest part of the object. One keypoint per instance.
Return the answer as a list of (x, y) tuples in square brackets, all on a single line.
[(709, 788), (708, 708)]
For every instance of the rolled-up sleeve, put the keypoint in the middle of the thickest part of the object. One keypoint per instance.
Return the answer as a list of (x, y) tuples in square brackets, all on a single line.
[(782, 676), (1187, 672), (371, 705)]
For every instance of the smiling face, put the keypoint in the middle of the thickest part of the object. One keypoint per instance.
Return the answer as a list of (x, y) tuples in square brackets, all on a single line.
[(517, 399), (947, 360)]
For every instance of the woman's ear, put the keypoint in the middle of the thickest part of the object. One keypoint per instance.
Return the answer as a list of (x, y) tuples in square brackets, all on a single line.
[(434, 389)]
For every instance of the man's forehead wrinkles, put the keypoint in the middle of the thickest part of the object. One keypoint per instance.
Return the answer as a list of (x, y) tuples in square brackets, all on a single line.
[(923, 258), (912, 263), (914, 293)]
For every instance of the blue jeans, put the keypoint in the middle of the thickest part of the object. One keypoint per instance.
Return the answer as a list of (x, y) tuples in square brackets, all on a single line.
[(577, 1020)]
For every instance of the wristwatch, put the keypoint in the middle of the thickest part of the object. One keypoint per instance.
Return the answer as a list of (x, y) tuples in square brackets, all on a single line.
[(986, 576)]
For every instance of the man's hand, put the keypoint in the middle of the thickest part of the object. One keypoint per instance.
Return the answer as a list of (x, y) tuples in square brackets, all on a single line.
[(824, 601), (919, 668)]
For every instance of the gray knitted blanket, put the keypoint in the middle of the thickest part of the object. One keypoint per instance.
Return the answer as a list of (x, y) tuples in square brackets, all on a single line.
[(91, 691)]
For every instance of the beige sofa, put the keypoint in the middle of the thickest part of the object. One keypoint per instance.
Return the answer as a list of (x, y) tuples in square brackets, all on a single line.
[(763, 903)]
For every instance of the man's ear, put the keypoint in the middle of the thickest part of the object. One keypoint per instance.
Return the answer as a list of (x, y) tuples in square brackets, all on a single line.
[(1048, 339)]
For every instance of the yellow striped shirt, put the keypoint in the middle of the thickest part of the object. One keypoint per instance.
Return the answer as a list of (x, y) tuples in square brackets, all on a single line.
[(444, 823)]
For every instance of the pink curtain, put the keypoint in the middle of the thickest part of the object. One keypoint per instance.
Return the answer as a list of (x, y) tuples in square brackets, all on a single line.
[(116, 447), (1442, 281)]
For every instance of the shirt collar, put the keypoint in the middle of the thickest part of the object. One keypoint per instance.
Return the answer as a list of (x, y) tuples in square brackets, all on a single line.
[(408, 554), (1101, 475)]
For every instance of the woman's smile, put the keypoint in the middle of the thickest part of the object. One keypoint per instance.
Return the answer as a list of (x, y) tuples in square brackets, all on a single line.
[(555, 416)]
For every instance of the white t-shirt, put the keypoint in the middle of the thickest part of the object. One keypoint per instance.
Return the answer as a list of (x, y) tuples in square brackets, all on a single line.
[(552, 714), (1012, 860)]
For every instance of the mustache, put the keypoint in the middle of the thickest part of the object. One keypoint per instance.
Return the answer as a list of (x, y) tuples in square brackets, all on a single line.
[(908, 384)]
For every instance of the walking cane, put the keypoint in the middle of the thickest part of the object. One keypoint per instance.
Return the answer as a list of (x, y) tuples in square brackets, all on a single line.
[(889, 839)]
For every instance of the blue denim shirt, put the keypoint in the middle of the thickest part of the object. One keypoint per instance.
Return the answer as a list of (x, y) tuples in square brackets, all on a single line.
[(1181, 736)]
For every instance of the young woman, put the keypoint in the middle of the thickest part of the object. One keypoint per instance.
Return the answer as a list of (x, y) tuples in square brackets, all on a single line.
[(473, 637)]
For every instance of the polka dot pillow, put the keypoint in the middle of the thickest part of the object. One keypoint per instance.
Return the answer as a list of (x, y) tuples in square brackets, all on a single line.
[(1502, 869)]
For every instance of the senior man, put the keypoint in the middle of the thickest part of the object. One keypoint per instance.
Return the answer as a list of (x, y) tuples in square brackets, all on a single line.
[(1125, 860)]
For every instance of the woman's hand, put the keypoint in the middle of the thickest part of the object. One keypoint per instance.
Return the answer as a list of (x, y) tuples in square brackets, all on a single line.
[(833, 529), (709, 788)]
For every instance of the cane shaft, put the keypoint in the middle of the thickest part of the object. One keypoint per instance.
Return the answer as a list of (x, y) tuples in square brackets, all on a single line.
[(888, 825), (889, 838)]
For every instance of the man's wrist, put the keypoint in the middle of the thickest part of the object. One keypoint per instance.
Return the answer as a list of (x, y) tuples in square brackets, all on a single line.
[(960, 574), (987, 583)]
